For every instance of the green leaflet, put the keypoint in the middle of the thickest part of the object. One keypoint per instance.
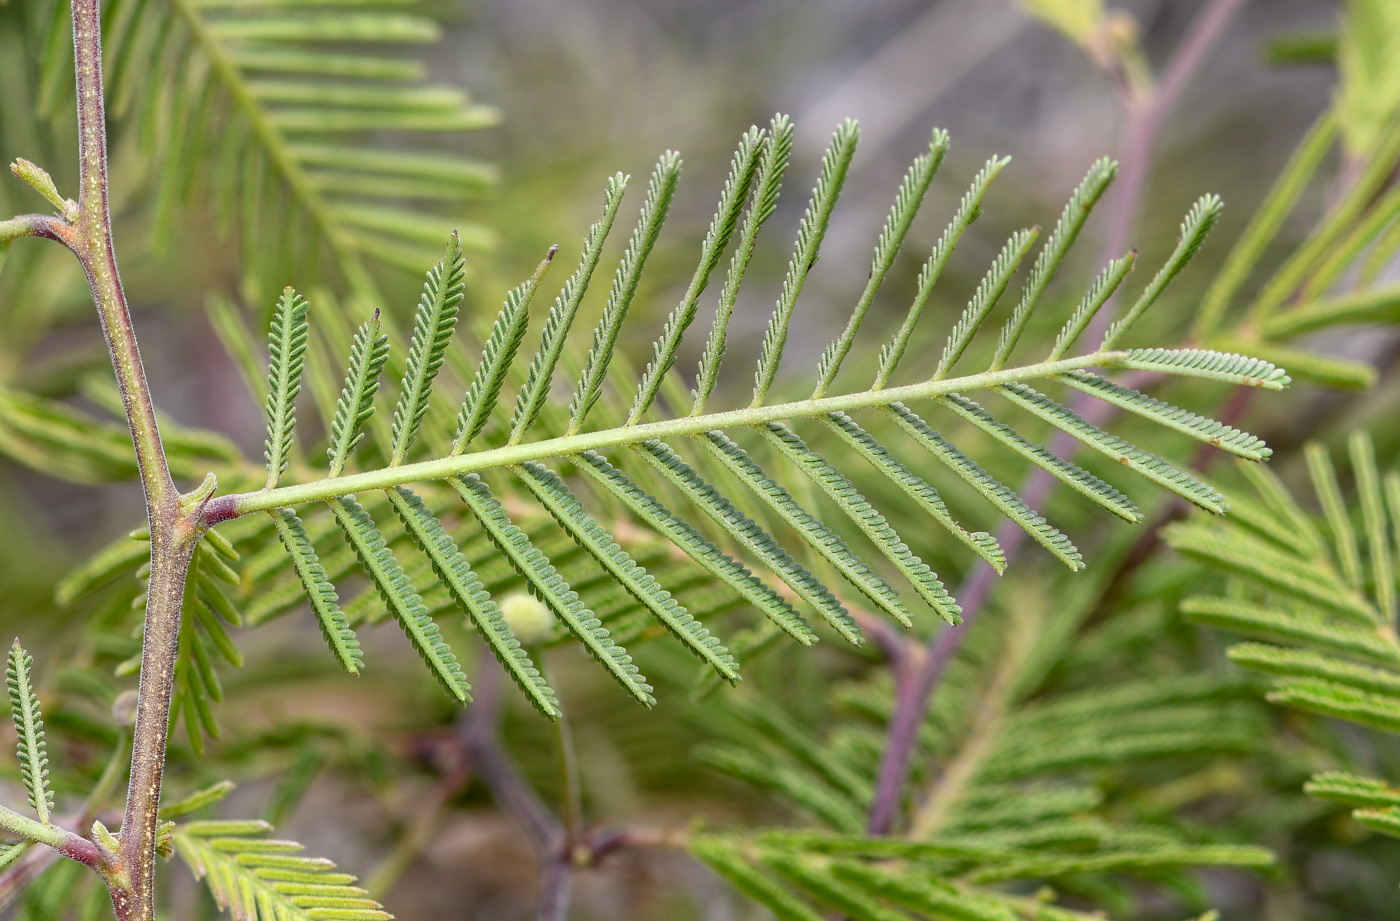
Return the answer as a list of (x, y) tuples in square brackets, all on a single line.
[(772, 164), (120, 557), (1340, 701), (368, 352), (454, 572), (29, 728), (1236, 442), (1253, 559), (1366, 792), (731, 204), (722, 856), (1373, 514), (399, 595), (991, 489), (1295, 663), (286, 346), (253, 877), (1194, 229), (13, 852), (197, 800), (433, 327), (1374, 305), (319, 590), (660, 191), (1282, 626), (737, 463), (561, 316), (1067, 228), (835, 165), (804, 788), (814, 876), (871, 523), (1072, 475), (921, 894), (1217, 366), (988, 292), (920, 492), (1222, 855), (663, 521), (1134, 458), (773, 724), (1385, 821), (901, 217), (1098, 294), (1329, 494), (546, 584), (968, 209), (551, 492), (1265, 224), (496, 358), (749, 535)]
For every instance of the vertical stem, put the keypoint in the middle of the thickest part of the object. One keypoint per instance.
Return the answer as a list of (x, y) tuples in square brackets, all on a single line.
[(172, 529), (554, 889), (93, 245), (570, 793), (160, 647)]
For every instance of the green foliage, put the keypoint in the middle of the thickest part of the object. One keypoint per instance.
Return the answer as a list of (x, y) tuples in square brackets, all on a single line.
[(1324, 610), (660, 191), (901, 218), (286, 348), (433, 326), (793, 492), (255, 112), (29, 728), (1370, 87), (1019, 784), (262, 879), (777, 149), (835, 165), (400, 597), (1359, 234), (319, 590)]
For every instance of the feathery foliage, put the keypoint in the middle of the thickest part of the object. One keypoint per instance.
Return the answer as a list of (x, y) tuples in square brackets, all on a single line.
[(660, 191), (255, 878), (835, 165), (433, 326), (1011, 789), (286, 347), (29, 728), (777, 149), (901, 218), (619, 459), (1320, 611), (273, 119)]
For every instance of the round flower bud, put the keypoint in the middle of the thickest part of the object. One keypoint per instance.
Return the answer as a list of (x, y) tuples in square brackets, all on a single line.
[(527, 617)]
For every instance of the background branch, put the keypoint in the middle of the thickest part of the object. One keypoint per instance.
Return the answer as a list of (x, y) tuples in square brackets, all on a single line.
[(916, 682)]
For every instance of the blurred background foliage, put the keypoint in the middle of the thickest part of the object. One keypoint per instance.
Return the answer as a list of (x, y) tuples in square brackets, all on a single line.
[(252, 141)]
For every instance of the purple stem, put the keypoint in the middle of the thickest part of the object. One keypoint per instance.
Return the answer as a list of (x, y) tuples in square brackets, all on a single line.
[(917, 675), (479, 728)]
